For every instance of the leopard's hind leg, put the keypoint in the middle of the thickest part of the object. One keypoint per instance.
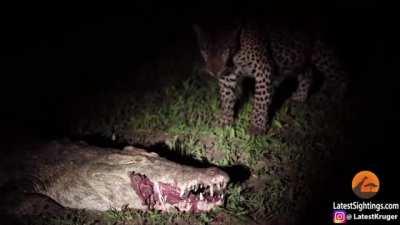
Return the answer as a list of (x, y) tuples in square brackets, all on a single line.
[(305, 79), (326, 61)]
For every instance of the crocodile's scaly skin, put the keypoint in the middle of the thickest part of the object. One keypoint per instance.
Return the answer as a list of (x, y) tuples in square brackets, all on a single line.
[(81, 176)]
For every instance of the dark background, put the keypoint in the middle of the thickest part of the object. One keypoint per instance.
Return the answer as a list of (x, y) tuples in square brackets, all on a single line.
[(54, 53)]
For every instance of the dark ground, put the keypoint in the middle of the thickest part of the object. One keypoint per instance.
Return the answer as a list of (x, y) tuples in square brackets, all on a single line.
[(49, 58)]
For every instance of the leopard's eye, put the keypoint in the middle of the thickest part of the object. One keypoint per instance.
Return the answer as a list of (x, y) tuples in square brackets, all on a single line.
[(204, 54), (225, 54)]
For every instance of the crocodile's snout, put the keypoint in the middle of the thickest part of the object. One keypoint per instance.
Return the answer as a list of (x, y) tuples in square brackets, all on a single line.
[(203, 193)]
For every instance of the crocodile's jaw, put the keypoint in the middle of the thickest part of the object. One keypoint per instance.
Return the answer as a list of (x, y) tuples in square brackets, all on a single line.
[(201, 194)]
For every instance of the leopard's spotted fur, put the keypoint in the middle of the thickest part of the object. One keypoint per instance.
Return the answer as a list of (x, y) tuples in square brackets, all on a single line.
[(265, 55)]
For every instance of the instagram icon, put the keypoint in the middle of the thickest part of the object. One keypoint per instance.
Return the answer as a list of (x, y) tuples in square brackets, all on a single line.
[(339, 216)]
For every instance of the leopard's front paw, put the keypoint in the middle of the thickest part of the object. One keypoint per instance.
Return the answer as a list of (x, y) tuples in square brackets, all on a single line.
[(299, 98), (256, 130), (225, 121)]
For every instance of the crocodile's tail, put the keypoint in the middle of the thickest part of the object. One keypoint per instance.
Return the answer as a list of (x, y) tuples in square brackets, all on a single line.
[(31, 204), (20, 199)]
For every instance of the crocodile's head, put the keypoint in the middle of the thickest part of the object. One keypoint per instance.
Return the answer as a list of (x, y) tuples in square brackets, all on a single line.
[(167, 186), (88, 177)]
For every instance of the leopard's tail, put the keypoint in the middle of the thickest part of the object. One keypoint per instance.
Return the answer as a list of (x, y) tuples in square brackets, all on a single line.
[(326, 61)]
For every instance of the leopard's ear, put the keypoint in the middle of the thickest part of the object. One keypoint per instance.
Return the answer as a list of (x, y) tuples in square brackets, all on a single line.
[(234, 40), (236, 30), (199, 35), (196, 28), (237, 25)]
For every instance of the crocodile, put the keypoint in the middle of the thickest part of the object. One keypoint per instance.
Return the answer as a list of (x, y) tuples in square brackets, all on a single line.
[(77, 175)]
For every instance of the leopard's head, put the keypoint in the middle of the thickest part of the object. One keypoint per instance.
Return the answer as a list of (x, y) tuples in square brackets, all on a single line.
[(217, 49)]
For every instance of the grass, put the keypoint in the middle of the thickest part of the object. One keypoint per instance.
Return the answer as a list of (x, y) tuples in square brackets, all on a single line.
[(281, 164), (191, 118)]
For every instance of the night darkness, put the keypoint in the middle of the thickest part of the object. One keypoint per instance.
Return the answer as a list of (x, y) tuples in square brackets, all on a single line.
[(51, 59)]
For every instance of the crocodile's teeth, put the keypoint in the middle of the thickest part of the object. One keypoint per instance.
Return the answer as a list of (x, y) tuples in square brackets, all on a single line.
[(201, 197), (182, 192), (160, 197), (212, 190)]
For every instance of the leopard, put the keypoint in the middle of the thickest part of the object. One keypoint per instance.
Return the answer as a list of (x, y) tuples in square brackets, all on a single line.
[(268, 55)]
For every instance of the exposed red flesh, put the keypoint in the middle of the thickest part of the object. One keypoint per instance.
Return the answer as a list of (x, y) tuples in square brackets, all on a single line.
[(171, 193), (144, 189)]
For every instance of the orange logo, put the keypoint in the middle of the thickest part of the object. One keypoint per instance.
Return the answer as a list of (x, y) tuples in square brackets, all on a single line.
[(365, 184)]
